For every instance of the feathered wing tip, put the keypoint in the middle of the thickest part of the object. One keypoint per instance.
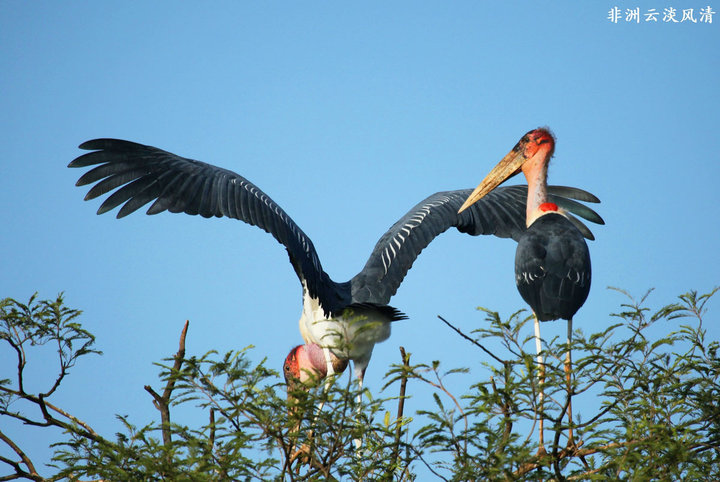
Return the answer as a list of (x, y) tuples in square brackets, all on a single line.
[(575, 207), (358, 309), (133, 175), (575, 193), (393, 313), (584, 230), (561, 195)]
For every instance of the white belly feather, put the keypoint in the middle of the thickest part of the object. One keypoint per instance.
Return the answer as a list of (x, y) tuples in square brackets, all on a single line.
[(351, 335)]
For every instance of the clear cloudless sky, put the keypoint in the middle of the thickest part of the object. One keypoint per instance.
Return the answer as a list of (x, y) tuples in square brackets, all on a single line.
[(346, 114)]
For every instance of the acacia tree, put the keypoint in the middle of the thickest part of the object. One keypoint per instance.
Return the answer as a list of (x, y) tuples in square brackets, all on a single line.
[(653, 410)]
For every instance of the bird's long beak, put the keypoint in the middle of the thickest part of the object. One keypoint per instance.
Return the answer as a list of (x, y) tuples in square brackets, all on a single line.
[(528, 147), (509, 166)]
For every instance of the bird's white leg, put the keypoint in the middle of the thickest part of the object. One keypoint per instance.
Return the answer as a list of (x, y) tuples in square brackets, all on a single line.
[(321, 404), (330, 373), (330, 368), (360, 373), (541, 381), (359, 396), (568, 368)]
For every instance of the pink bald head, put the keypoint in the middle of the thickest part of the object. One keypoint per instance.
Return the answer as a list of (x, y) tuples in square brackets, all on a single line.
[(537, 140)]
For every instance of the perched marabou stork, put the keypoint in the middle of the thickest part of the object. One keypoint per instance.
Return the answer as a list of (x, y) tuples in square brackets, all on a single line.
[(339, 321), (552, 261)]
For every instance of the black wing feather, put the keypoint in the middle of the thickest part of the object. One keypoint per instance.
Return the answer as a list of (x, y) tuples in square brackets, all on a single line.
[(143, 174), (500, 213), (575, 193), (575, 207)]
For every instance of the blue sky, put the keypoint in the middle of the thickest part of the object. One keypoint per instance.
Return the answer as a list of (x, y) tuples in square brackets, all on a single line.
[(347, 114)]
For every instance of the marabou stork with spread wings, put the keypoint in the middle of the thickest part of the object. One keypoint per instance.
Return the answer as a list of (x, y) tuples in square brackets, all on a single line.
[(552, 261), (339, 321)]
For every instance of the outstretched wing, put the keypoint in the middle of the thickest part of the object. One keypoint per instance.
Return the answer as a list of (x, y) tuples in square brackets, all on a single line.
[(143, 174), (500, 213)]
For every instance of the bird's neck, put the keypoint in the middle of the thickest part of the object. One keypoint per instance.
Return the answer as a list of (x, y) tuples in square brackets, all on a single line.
[(537, 191)]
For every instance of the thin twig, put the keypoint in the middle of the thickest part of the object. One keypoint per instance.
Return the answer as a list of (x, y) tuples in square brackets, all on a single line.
[(427, 464), (72, 418), (21, 363), (474, 342), (401, 402), (579, 452), (440, 386), (505, 408)]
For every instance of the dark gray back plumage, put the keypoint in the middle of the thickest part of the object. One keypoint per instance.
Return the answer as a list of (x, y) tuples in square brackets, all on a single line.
[(142, 174), (552, 268)]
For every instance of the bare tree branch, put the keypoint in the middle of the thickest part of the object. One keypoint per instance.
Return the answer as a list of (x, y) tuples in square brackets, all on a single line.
[(162, 403), (401, 402), (19, 472)]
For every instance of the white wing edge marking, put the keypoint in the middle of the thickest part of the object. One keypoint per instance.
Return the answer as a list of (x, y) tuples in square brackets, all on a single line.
[(415, 221), (265, 199)]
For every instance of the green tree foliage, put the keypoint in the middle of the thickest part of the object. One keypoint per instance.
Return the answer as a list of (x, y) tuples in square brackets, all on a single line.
[(648, 382)]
